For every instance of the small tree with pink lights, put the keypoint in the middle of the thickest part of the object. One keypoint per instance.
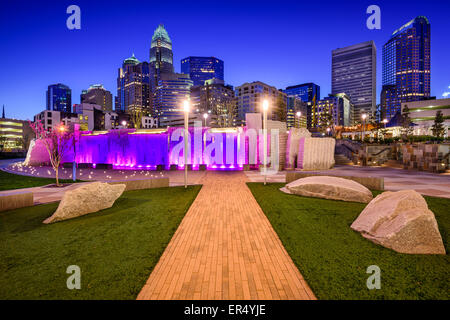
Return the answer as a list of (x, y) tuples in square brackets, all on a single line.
[(57, 141)]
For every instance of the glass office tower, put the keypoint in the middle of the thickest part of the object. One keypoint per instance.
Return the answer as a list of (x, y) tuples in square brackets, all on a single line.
[(201, 69), (353, 72), (133, 86), (308, 93), (171, 91), (59, 98), (406, 66)]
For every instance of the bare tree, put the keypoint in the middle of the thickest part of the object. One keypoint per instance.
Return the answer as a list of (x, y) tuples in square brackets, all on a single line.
[(57, 141)]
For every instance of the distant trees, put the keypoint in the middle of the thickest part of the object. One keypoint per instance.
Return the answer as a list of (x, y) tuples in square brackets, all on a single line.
[(3, 140), (136, 118), (438, 128), (230, 112), (406, 123), (325, 120), (281, 109)]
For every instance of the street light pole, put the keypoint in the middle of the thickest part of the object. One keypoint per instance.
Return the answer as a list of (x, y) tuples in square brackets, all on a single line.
[(205, 116), (186, 120), (299, 114), (364, 116), (265, 108)]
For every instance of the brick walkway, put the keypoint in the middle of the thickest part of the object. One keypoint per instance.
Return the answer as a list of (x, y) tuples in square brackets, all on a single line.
[(225, 248)]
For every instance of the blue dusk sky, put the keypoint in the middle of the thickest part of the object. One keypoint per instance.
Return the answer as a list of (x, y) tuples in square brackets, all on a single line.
[(281, 43)]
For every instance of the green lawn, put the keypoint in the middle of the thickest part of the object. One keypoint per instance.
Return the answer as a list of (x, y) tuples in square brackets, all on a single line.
[(10, 181), (116, 248), (333, 258)]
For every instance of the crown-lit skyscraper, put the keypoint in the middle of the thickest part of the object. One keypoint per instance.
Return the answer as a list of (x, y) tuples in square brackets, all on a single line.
[(161, 56), (406, 66)]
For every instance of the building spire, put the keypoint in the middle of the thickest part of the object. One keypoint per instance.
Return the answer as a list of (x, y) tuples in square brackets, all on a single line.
[(3, 112)]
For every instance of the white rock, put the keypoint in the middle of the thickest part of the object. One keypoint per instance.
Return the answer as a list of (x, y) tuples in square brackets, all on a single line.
[(330, 188), (295, 134), (402, 222), (316, 153), (86, 199)]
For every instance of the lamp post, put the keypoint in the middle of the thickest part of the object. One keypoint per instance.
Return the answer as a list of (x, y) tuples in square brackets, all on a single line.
[(385, 121), (363, 131), (265, 108), (328, 131), (124, 123), (186, 120), (299, 114), (205, 116)]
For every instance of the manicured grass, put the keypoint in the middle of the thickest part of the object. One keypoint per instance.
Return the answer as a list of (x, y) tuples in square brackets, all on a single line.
[(116, 248), (333, 258), (10, 181)]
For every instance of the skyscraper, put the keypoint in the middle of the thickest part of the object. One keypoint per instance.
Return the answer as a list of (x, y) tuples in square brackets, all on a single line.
[(133, 86), (406, 66), (201, 69), (172, 89), (250, 97), (59, 98), (97, 94), (216, 98), (308, 93), (161, 56), (294, 105), (353, 72), (339, 107)]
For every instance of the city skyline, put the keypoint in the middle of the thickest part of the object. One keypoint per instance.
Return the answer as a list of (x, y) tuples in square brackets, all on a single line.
[(100, 66)]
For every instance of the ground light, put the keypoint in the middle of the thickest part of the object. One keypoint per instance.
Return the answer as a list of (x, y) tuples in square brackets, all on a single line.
[(265, 108)]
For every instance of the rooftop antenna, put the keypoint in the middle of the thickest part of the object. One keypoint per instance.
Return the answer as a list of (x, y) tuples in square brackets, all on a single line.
[(3, 113)]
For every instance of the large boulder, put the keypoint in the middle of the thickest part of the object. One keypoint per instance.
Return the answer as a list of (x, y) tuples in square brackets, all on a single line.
[(329, 188), (86, 199), (402, 222)]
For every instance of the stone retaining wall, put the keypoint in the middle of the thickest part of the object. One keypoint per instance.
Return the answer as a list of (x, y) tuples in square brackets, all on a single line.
[(426, 157), (15, 200), (140, 184)]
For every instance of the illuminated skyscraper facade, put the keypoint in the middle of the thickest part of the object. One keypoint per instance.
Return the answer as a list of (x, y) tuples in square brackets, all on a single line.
[(169, 94), (406, 66), (161, 56), (353, 72), (133, 86), (308, 93), (59, 98), (97, 94), (201, 69)]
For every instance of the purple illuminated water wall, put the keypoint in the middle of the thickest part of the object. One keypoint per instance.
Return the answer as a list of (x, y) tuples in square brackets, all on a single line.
[(130, 149)]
